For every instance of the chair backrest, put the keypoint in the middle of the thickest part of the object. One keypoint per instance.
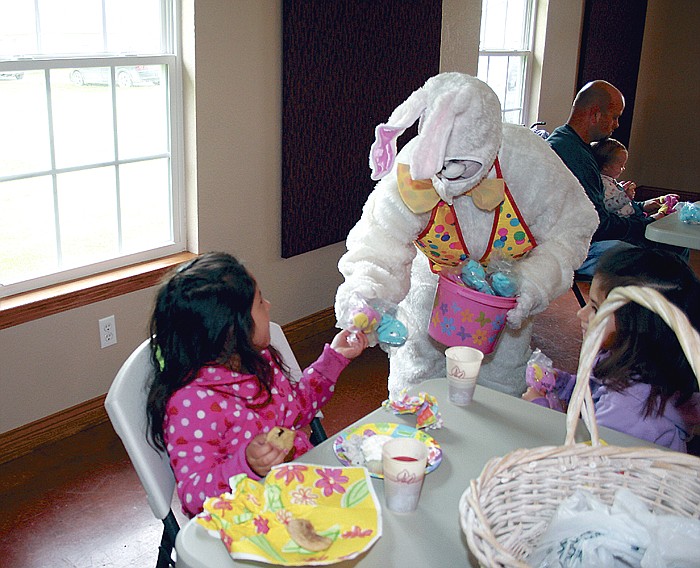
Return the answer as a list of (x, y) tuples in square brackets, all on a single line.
[(279, 341), (126, 408)]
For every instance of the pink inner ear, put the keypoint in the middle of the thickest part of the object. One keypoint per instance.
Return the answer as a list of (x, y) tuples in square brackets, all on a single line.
[(383, 151)]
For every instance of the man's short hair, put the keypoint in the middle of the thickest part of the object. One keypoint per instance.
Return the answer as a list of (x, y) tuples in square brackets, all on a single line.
[(595, 93)]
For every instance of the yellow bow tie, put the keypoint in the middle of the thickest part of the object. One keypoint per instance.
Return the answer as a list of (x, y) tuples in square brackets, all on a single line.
[(420, 195)]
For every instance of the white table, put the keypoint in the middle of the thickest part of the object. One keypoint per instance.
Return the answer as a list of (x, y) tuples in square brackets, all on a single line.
[(493, 425), (672, 231)]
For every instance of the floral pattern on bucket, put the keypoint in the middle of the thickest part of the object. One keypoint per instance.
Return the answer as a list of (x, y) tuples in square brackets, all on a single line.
[(467, 311)]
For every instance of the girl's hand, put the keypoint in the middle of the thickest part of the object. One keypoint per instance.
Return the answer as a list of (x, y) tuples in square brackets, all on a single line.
[(349, 344), (531, 394), (262, 455)]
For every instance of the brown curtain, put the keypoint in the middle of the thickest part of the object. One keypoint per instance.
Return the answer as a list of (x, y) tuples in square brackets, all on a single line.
[(346, 65), (611, 47)]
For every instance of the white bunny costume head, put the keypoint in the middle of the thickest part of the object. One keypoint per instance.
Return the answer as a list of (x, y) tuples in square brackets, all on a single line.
[(459, 134)]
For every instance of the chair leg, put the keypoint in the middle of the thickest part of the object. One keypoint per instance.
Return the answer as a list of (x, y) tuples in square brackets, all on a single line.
[(167, 541), (318, 434), (579, 296)]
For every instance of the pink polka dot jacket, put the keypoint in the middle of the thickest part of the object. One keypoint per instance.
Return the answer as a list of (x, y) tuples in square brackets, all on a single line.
[(210, 422)]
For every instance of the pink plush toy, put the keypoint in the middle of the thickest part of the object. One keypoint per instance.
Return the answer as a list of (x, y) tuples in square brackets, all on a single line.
[(668, 204)]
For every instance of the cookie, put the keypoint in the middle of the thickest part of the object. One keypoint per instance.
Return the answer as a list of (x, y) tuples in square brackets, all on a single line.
[(281, 437), (303, 533)]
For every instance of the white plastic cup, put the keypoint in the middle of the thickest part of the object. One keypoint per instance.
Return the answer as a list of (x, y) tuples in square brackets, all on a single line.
[(461, 393), (462, 367), (403, 461)]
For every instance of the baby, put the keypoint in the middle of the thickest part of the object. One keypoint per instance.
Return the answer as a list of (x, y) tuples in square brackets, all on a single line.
[(611, 156)]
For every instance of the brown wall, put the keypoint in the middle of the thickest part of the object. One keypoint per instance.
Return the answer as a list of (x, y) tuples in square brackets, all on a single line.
[(665, 139)]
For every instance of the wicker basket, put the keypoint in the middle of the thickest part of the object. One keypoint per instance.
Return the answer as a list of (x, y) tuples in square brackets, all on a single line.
[(507, 509)]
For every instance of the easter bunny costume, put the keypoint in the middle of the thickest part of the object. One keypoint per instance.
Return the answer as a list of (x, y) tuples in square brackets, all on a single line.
[(470, 164)]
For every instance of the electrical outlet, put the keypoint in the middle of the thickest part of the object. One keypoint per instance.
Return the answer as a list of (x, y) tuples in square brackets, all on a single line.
[(108, 331)]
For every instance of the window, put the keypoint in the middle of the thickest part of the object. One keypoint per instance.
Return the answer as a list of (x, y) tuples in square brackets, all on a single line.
[(505, 53), (90, 167)]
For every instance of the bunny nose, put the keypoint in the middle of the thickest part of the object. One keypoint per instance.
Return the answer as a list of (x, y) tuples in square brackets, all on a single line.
[(453, 170), (459, 169)]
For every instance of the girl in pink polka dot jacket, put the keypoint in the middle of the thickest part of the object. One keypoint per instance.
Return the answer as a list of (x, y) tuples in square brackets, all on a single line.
[(219, 386)]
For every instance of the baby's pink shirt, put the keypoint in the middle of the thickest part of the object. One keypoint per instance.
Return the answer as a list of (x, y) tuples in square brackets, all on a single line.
[(209, 423)]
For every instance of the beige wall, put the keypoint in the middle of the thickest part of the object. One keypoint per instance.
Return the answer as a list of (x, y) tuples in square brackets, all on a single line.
[(56, 362), (461, 22), (665, 137), (238, 88), (556, 60), (233, 98)]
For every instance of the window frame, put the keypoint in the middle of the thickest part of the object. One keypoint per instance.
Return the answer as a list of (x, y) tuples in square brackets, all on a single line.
[(29, 306), (20, 293), (527, 55)]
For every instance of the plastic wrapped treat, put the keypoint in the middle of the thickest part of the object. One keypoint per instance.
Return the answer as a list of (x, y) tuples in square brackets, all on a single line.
[(423, 405), (689, 212), (502, 277), (541, 376), (474, 276), (377, 320)]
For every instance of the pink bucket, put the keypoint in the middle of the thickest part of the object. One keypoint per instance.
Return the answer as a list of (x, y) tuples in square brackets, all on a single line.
[(462, 316)]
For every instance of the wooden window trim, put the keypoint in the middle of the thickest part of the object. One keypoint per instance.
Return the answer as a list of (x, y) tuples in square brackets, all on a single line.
[(37, 304)]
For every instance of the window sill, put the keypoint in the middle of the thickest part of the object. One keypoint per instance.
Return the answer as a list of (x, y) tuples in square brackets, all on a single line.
[(34, 305)]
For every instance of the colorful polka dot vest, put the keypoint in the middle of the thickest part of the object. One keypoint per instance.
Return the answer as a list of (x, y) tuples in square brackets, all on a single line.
[(442, 241)]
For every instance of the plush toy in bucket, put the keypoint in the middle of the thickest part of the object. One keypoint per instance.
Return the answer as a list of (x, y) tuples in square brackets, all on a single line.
[(462, 316)]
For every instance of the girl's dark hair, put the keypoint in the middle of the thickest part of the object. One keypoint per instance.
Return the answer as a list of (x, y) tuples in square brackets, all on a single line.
[(605, 151), (202, 315), (644, 348)]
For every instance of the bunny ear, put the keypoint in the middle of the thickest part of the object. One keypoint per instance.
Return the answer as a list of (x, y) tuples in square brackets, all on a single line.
[(429, 153), (383, 151)]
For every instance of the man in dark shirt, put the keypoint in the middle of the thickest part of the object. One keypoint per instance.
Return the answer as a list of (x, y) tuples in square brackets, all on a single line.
[(594, 116)]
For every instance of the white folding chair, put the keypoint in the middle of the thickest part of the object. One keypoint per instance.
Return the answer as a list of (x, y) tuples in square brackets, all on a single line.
[(126, 408)]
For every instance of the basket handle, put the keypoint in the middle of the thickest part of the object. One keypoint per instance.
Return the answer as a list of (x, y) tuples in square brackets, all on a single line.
[(581, 403)]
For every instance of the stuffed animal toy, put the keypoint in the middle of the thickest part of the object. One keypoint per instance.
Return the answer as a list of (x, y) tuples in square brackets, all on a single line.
[(668, 204), (467, 186)]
